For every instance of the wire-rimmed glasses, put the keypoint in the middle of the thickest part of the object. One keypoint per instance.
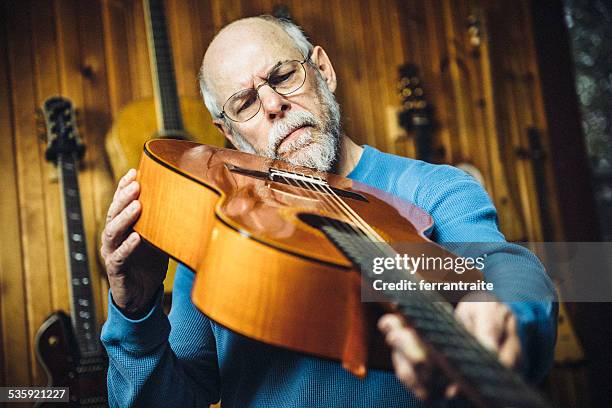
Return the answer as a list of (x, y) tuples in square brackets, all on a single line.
[(284, 79)]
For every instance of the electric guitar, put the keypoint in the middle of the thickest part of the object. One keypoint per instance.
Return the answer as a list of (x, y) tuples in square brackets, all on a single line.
[(68, 347)]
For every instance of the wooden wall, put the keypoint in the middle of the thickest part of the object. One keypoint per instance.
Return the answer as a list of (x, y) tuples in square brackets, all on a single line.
[(483, 83)]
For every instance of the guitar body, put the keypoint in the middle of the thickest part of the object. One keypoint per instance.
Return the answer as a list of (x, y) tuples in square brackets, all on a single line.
[(203, 213), (280, 254), (137, 123), (86, 379)]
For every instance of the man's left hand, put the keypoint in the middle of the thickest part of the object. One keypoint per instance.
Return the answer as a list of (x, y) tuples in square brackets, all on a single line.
[(490, 321)]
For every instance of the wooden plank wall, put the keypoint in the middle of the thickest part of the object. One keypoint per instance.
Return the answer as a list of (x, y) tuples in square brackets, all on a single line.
[(95, 53)]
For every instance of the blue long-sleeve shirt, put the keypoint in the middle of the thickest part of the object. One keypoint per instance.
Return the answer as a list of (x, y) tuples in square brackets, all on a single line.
[(185, 359)]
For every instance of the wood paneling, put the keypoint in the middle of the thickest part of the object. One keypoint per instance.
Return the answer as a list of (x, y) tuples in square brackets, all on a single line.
[(485, 96), (15, 338)]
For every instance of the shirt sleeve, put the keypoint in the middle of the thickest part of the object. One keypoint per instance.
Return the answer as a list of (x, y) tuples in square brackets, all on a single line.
[(159, 360), (465, 218)]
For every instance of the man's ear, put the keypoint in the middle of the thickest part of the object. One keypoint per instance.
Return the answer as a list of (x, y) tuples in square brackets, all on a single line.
[(222, 127), (321, 61)]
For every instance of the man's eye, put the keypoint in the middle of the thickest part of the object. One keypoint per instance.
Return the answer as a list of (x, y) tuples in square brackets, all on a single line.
[(246, 103), (278, 78)]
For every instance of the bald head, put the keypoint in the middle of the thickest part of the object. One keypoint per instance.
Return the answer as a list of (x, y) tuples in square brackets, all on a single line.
[(238, 46)]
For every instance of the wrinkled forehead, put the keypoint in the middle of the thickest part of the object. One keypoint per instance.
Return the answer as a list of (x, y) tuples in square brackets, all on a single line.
[(241, 54)]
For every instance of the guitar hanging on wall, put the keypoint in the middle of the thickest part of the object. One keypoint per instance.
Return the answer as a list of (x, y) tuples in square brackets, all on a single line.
[(166, 115), (68, 347)]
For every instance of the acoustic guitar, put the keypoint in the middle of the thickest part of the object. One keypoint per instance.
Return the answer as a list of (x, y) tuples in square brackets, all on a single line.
[(68, 347), (166, 114), (280, 253)]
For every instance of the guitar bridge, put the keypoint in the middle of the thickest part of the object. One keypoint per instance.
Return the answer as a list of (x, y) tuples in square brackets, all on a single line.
[(283, 174)]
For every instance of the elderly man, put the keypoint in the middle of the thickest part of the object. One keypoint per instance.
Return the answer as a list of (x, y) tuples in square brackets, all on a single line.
[(271, 93)]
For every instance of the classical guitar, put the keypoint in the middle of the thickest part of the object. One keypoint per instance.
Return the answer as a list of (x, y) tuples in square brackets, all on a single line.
[(277, 251), (68, 347), (164, 115)]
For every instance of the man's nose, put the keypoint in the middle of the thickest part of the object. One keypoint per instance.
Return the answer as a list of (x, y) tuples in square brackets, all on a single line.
[(274, 104)]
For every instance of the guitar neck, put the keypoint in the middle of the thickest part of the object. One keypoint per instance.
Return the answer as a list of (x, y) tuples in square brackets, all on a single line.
[(169, 117), (83, 313), (483, 380)]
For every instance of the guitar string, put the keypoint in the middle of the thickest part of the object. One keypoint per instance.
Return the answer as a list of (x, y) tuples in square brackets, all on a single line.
[(302, 185), (364, 228), (314, 186), (366, 244), (439, 304), (346, 225), (343, 226), (339, 203), (378, 245), (357, 216)]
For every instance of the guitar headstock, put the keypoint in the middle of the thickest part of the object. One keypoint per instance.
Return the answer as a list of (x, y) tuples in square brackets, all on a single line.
[(62, 132), (416, 111)]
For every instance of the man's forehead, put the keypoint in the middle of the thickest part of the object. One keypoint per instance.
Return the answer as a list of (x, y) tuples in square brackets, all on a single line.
[(243, 50)]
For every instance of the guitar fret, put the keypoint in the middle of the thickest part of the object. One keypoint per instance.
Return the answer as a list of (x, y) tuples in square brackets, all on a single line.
[(83, 310), (164, 68)]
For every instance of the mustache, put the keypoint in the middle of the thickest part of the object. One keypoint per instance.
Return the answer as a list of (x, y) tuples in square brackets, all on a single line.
[(291, 122)]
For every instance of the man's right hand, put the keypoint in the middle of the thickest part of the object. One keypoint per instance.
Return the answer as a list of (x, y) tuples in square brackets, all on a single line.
[(135, 269)]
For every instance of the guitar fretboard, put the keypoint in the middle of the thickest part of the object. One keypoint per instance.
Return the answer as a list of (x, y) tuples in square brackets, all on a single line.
[(83, 309), (167, 100), (486, 383)]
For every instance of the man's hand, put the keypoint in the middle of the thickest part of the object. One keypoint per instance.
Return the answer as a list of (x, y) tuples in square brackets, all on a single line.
[(135, 269), (491, 322)]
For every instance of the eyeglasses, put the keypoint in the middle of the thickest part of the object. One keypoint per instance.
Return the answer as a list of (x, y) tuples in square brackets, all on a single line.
[(284, 79)]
